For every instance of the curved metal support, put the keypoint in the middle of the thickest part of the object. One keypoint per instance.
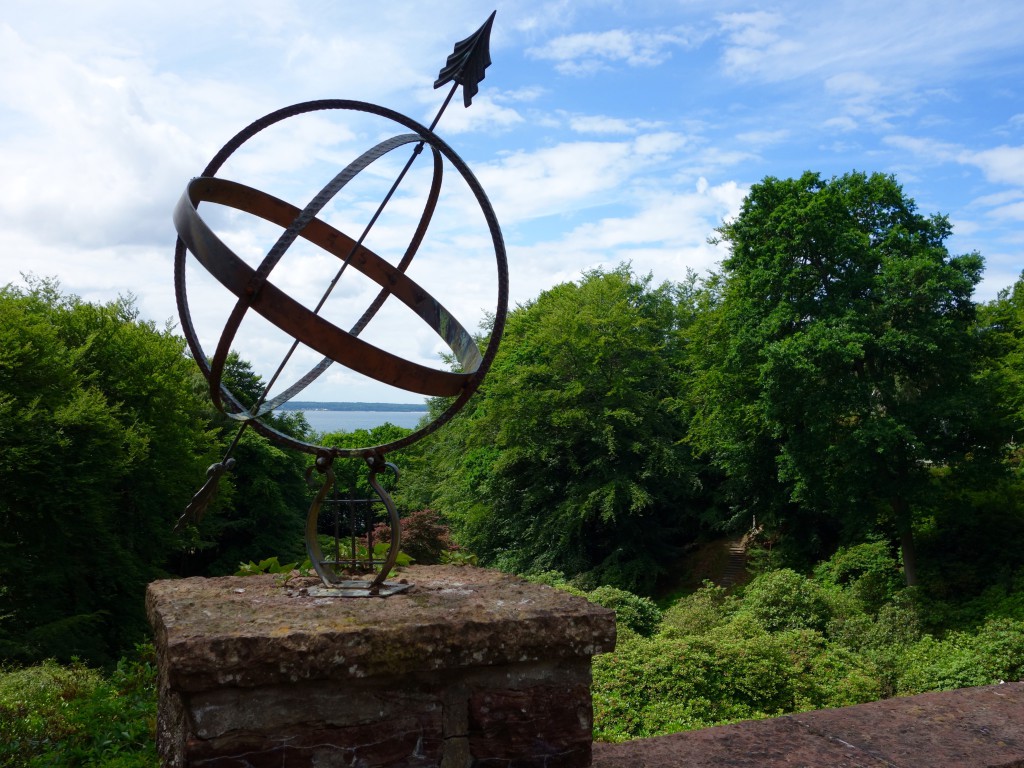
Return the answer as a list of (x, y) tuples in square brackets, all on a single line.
[(313, 551), (335, 582), (378, 465)]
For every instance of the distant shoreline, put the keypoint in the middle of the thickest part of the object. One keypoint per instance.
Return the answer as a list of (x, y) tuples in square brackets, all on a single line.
[(306, 405)]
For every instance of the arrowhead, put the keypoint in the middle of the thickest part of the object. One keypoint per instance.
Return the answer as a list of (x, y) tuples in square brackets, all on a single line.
[(468, 61)]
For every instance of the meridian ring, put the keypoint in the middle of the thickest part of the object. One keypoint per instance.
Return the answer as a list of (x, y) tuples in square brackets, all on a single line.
[(252, 288)]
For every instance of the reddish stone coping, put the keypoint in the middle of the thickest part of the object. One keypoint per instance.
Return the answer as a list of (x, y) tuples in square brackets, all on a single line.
[(968, 728), (251, 631)]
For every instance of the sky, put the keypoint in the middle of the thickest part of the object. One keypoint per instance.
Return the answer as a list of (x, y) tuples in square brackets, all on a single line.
[(604, 132)]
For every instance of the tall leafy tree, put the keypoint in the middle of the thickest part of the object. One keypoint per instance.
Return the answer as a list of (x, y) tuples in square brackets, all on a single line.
[(835, 370), (569, 457), (1002, 323), (103, 436)]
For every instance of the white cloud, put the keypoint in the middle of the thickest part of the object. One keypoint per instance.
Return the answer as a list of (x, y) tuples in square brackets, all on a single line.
[(666, 234), (525, 94), (752, 39), (483, 115), (1002, 165), (525, 185), (1014, 212), (601, 124), (932, 150), (763, 138), (588, 52), (573, 175), (894, 42), (999, 198), (843, 123), (101, 165)]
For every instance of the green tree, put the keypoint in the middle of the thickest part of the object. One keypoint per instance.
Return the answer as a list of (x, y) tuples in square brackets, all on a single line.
[(103, 437), (261, 505), (835, 369), (1002, 323), (569, 458), (975, 526)]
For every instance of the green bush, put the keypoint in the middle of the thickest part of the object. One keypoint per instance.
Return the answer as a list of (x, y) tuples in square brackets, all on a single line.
[(825, 674), (638, 614), (557, 580), (937, 665), (699, 612), (869, 571), (649, 686), (75, 716), (784, 599), (993, 653), (1000, 649)]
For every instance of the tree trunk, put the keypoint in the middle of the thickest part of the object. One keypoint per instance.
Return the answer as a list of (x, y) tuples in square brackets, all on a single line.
[(901, 512)]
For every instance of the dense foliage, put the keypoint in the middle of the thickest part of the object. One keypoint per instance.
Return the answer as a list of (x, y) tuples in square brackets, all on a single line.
[(260, 506), (835, 382), (103, 437), (105, 433), (76, 716), (788, 643), (837, 366), (569, 457)]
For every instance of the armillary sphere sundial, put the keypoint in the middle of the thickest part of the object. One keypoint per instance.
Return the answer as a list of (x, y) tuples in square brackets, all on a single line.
[(254, 290)]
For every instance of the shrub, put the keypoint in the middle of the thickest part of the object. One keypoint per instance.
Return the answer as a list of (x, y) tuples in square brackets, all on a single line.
[(629, 684), (425, 536), (993, 653), (868, 571), (784, 599), (736, 671), (826, 674), (73, 715), (934, 665), (639, 614), (651, 686), (557, 580), (999, 646), (699, 612)]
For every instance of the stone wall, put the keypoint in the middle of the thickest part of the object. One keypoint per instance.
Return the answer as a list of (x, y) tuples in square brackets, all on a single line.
[(968, 728), (468, 667)]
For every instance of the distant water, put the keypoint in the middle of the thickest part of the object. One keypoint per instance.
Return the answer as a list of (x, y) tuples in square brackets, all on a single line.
[(346, 421)]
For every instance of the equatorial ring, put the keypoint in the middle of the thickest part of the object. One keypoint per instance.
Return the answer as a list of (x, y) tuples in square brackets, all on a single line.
[(254, 290)]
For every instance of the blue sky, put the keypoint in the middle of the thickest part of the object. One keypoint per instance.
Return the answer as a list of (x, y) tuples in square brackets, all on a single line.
[(604, 132)]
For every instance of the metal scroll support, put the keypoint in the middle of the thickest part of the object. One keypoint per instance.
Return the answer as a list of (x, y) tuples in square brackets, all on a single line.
[(336, 571)]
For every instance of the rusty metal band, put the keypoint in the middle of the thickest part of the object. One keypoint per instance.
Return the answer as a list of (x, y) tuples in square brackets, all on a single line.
[(436, 143), (378, 302), (290, 234), (298, 321)]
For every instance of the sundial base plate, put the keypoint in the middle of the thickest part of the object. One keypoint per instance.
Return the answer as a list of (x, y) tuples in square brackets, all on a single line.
[(358, 589)]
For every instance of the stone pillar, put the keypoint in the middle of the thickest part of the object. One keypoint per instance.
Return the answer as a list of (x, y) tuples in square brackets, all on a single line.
[(469, 667)]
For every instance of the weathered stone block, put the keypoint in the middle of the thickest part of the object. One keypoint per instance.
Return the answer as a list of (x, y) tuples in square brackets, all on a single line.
[(469, 667)]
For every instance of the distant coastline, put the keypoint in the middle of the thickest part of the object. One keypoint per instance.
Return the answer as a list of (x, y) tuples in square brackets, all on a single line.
[(307, 405)]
